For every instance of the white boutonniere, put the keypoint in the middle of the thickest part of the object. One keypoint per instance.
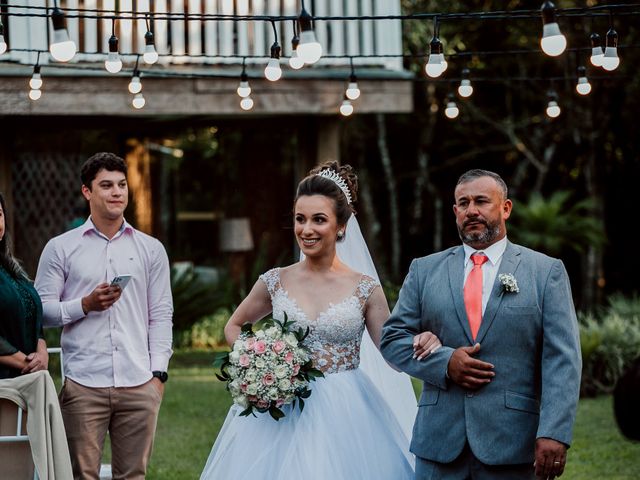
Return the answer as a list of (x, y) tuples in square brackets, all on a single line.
[(509, 283)]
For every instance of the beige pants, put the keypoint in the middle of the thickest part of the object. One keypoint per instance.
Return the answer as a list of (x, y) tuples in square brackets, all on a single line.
[(129, 414)]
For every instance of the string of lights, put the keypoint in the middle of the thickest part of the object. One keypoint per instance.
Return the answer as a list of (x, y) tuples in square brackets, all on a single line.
[(307, 50)]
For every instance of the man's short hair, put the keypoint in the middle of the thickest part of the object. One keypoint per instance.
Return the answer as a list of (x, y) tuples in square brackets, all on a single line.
[(472, 175), (99, 161)]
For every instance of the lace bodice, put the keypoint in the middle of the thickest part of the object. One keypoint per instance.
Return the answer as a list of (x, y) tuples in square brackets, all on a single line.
[(334, 337)]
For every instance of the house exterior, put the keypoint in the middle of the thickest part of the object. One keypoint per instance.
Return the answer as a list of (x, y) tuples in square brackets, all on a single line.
[(202, 46)]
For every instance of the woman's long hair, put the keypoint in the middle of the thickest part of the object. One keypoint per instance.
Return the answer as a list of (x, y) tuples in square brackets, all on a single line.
[(7, 260)]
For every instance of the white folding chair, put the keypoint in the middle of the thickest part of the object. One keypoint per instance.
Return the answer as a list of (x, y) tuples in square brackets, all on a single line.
[(22, 467)]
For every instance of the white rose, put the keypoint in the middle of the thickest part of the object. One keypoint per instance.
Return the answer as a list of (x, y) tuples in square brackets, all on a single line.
[(284, 384), (252, 389), (260, 334), (251, 376), (241, 400), (273, 332), (234, 356), (273, 394), (260, 363), (291, 339), (281, 371)]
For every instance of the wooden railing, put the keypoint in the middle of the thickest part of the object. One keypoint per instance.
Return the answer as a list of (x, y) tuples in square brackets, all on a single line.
[(212, 41)]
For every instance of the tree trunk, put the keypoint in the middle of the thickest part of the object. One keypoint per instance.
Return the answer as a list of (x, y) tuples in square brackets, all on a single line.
[(394, 213)]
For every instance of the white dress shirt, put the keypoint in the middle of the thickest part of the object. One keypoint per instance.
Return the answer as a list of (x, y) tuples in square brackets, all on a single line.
[(489, 268), (120, 346)]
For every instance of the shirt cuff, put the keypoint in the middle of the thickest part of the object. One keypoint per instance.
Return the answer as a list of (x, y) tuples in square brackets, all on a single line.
[(73, 310), (160, 363)]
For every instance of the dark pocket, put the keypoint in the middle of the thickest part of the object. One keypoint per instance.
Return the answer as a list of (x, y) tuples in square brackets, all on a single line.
[(429, 397), (518, 401)]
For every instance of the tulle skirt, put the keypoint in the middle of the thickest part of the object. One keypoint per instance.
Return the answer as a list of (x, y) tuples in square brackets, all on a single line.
[(345, 432)]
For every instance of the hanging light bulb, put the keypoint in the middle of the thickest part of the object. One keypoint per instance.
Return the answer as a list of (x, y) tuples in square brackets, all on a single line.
[(597, 54), (3, 44), (465, 89), (346, 108), (309, 49), (36, 80), (295, 61), (272, 71), (138, 101), (150, 55), (62, 48), (553, 109), (452, 110), (135, 85), (113, 64), (436, 64), (244, 90), (246, 103), (553, 42), (35, 94), (353, 92), (611, 61), (583, 87)]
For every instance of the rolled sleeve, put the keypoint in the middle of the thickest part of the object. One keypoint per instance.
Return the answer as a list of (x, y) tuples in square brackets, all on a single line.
[(160, 311)]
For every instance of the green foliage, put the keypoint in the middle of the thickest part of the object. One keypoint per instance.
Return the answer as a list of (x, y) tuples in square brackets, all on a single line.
[(609, 344), (194, 297), (206, 333), (553, 225)]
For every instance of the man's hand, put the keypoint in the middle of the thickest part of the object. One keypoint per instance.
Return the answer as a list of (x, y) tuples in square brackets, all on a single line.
[(551, 456), (158, 384), (469, 372), (424, 344), (102, 297)]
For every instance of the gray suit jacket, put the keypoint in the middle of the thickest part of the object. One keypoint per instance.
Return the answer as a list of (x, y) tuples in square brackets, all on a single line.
[(531, 338)]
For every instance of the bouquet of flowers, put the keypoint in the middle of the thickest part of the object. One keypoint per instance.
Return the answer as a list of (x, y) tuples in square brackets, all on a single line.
[(268, 368)]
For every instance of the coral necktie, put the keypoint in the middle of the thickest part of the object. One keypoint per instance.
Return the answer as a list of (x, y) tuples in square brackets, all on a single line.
[(473, 293)]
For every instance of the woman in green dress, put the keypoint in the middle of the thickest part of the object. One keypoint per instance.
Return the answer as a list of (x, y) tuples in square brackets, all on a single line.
[(22, 346)]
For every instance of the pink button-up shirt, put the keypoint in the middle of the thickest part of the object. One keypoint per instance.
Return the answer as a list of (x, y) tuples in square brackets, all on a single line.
[(122, 345)]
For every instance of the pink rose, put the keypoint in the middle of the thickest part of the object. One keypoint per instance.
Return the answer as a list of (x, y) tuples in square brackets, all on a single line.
[(245, 360), (296, 370), (288, 357), (259, 347), (262, 404), (251, 342), (243, 387), (278, 346), (269, 379), (279, 402)]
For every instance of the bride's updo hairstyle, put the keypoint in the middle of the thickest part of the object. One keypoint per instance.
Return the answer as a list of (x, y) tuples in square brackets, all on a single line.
[(316, 184)]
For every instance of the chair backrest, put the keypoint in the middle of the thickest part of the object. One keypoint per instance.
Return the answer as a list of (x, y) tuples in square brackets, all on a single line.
[(15, 451)]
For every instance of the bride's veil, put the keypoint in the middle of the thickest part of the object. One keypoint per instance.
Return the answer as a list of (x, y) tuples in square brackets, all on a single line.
[(394, 386)]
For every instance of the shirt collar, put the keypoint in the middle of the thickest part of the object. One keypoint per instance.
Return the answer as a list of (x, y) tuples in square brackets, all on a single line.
[(494, 252), (90, 226)]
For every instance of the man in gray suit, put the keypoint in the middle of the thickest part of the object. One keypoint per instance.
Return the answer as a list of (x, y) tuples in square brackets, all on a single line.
[(499, 397)]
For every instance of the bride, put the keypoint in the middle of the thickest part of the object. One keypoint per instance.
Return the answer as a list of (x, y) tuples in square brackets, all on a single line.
[(356, 424)]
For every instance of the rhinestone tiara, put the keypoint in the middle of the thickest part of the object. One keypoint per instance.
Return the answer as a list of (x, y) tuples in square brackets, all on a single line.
[(338, 180)]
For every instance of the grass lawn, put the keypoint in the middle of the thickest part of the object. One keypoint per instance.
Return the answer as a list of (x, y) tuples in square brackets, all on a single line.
[(196, 403)]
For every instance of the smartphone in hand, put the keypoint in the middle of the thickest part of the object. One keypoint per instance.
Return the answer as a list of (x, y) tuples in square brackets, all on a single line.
[(121, 281)]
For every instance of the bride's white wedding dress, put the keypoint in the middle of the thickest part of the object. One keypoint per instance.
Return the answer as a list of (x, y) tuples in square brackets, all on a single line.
[(346, 430)]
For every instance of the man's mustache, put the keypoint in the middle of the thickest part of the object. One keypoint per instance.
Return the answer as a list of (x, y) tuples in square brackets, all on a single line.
[(467, 222)]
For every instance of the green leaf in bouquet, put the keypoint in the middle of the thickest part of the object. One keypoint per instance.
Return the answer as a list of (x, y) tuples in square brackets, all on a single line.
[(220, 359), (276, 413), (301, 405), (223, 377), (247, 411), (247, 328), (304, 393), (314, 373)]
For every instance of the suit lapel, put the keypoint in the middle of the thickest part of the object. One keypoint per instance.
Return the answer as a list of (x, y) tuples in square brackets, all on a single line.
[(456, 278), (509, 264)]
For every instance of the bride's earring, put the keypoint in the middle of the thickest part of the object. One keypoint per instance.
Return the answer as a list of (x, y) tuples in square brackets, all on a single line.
[(340, 234)]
